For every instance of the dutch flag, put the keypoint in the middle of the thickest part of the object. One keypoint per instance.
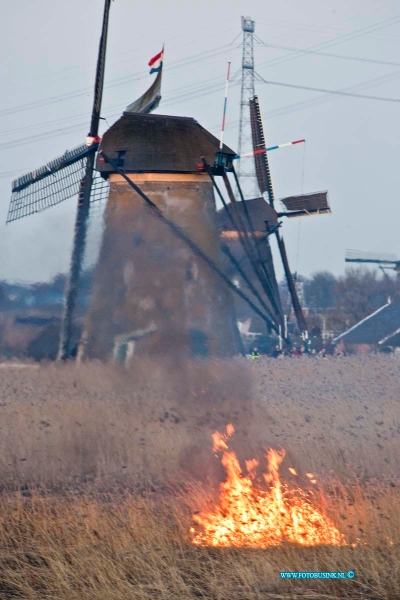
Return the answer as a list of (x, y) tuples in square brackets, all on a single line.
[(156, 62)]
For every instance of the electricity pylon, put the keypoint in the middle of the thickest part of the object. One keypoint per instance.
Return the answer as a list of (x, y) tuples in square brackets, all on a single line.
[(246, 168)]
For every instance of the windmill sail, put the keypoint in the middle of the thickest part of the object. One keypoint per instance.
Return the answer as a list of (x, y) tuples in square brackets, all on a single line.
[(150, 99), (260, 158), (52, 183), (264, 179), (315, 203), (300, 205)]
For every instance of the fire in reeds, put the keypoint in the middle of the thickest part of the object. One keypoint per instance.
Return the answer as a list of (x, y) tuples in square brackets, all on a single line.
[(259, 516)]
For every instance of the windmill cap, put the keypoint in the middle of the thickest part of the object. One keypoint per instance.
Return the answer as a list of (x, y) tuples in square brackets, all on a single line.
[(158, 144)]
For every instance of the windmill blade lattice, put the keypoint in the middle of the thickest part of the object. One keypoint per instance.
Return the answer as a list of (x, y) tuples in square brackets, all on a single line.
[(307, 202), (50, 184)]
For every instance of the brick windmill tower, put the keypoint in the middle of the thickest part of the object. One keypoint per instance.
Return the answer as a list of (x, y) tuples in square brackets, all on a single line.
[(151, 294)]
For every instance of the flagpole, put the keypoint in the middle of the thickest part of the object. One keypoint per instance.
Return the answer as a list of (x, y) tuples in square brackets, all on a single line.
[(221, 143)]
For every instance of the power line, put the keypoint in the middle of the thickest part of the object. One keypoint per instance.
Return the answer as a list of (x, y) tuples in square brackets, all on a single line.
[(133, 50), (171, 99), (213, 85), (34, 126), (71, 118), (171, 94), (316, 100), (194, 58), (317, 26), (177, 64), (196, 91), (338, 40), (201, 90), (329, 55), (325, 91), (181, 63)]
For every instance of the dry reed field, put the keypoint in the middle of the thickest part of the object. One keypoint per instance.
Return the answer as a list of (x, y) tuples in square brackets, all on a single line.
[(103, 471)]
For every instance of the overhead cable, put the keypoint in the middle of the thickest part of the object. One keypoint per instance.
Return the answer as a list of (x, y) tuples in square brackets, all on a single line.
[(133, 50), (325, 91), (182, 63), (338, 40), (328, 54)]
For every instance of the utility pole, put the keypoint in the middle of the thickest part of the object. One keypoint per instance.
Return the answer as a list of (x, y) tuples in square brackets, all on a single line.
[(246, 168)]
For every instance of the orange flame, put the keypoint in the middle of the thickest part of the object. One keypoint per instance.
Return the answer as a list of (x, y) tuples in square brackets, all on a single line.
[(258, 518)]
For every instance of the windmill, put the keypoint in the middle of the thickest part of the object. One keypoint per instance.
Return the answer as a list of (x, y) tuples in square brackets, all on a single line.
[(383, 260), (73, 174), (177, 170), (296, 206), (159, 287)]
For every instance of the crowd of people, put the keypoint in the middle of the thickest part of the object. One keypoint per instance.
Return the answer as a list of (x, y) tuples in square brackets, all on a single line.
[(293, 352)]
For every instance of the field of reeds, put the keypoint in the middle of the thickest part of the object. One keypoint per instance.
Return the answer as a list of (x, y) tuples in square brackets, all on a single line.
[(101, 471)]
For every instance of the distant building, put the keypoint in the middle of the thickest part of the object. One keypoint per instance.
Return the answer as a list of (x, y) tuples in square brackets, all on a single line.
[(380, 331), (30, 317)]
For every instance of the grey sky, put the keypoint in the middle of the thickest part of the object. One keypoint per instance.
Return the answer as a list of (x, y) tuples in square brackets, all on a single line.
[(49, 51)]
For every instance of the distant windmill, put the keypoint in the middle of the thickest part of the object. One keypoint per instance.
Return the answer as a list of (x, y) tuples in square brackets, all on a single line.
[(384, 261), (296, 206), (73, 174)]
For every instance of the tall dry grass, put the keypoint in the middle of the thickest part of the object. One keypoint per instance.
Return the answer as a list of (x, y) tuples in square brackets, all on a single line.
[(95, 422), (119, 546), (98, 423), (101, 470)]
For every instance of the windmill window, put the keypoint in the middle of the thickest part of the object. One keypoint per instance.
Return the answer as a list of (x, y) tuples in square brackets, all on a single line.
[(192, 271), (198, 343), (123, 352), (121, 157)]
